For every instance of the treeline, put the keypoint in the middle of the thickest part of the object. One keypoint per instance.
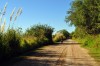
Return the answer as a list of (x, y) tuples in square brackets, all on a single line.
[(13, 42), (85, 16)]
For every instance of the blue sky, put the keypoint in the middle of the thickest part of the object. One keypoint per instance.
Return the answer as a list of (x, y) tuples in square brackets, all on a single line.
[(51, 12)]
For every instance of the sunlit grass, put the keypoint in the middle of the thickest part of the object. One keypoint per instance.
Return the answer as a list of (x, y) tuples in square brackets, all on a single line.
[(92, 43)]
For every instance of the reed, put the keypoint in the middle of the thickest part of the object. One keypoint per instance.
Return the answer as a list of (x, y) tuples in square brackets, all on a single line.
[(13, 41), (3, 26)]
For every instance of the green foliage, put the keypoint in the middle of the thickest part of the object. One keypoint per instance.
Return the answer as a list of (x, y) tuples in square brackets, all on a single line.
[(95, 53), (13, 41), (79, 33), (9, 43), (61, 35), (41, 32), (85, 14), (89, 41), (92, 43), (64, 32)]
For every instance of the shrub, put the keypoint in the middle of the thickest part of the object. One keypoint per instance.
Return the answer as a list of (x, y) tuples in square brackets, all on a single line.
[(61, 35), (41, 32), (12, 39), (13, 42)]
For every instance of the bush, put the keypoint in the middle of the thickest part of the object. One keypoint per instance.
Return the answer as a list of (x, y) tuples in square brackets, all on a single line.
[(61, 35), (9, 43), (13, 42), (58, 38), (41, 32)]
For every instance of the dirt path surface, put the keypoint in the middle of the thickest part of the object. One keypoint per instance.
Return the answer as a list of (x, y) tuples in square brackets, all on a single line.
[(67, 54)]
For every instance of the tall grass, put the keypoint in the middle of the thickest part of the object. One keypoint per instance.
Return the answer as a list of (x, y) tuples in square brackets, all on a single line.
[(92, 43), (10, 43), (13, 42)]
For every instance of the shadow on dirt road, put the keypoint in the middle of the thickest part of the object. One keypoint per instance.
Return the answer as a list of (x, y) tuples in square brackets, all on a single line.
[(69, 53)]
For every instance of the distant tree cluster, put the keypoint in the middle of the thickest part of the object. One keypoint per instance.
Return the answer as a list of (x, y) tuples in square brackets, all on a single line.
[(61, 35)]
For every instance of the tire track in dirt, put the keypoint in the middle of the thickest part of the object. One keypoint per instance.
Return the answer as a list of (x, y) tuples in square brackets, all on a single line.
[(61, 60), (62, 53), (77, 56), (46, 56)]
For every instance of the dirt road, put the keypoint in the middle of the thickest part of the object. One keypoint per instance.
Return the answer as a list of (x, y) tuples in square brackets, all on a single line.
[(67, 54)]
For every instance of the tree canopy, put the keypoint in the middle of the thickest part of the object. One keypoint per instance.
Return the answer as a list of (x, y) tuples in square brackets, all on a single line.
[(40, 31), (85, 14)]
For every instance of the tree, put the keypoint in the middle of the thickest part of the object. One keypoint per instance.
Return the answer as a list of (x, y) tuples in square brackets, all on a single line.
[(61, 35), (41, 32), (64, 32), (85, 14)]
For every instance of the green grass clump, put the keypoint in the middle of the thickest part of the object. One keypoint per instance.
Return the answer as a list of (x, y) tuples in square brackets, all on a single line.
[(10, 43), (95, 53), (92, 43)]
